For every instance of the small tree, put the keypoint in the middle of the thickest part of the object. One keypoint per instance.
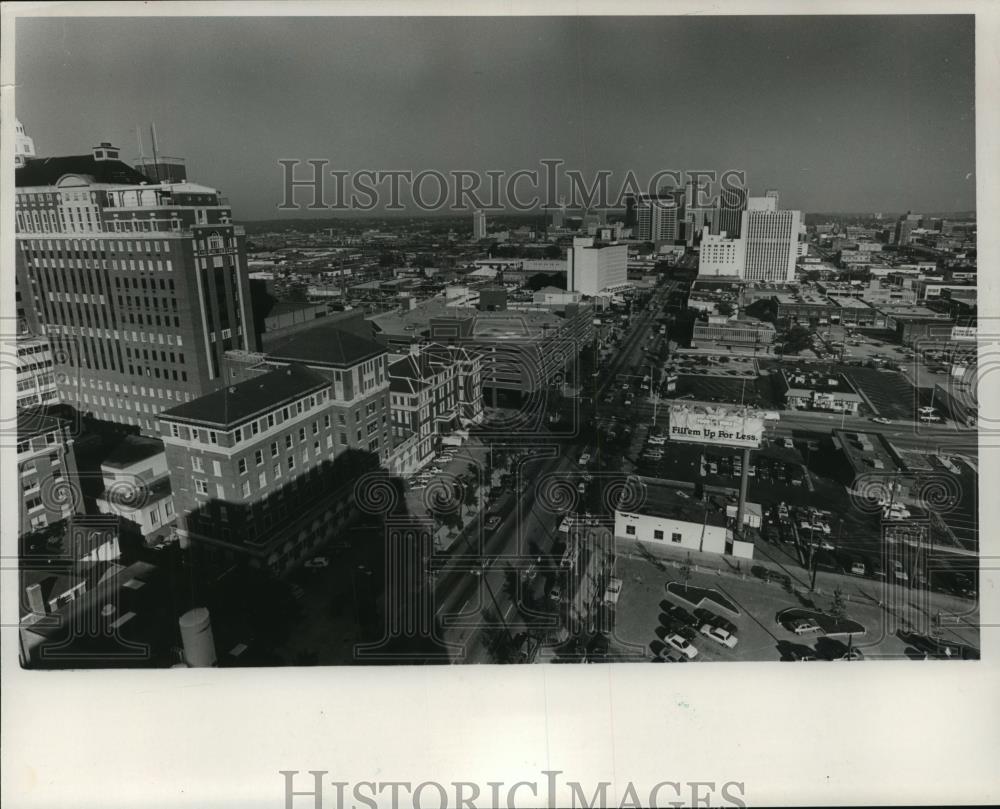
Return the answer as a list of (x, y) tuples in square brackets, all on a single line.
[(469, 495), (686, 571), (838, 609)]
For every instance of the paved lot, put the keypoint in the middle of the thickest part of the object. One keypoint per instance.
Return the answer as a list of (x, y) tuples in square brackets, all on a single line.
[(644, 597)]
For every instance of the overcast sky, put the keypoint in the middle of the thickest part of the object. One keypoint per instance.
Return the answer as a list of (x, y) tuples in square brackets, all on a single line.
[(839, 114)]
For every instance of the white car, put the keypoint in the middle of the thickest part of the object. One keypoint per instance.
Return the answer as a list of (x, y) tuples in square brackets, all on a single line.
[(719, 635), (679, 643), (584, 459), (881, 420)]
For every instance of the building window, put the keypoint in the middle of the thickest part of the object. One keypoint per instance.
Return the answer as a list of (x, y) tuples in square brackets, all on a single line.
[(291, 461), (201, 486), (246, 488), (675, 537), (288, 441), (276, 471), (657, 535), (630, 530), (242, 463), (258, 457), (274, 449), (217, 469), (262, 479), (196, 463)]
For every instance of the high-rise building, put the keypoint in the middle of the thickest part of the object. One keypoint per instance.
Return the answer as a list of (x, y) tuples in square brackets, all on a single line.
[(593, 266), (772, 240), (657, 218), (905, 226), (721, 255), (732, 203), (24, 146), (478, 225), (144, 284)]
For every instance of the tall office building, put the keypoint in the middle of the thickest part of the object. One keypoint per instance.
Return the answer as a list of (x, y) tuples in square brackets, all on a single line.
[(478, 225), (24, 146), (771, 241), (657, 218), (594, 266), (144, 284), (729, 219), (720, 255), (904, 227)]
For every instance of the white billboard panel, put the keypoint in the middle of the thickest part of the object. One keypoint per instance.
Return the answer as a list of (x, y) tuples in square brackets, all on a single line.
[(713, 424)]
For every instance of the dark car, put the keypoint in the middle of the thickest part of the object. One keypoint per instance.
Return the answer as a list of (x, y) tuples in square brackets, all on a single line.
[(492, 522), (682, 616)]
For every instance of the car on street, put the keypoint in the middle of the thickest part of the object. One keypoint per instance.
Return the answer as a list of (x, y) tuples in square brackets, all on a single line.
[(317, 562), (581, 487), (852, 654), (858, 568), (881, 420), (682, 645), (555, 594), (804, 626), (719, 635), (584, 459), (492, 521)]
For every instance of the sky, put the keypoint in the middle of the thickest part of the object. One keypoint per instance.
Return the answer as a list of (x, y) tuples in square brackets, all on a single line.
[(840, 114)]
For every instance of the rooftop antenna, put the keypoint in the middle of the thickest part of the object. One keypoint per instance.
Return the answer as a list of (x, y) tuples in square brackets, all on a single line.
[(138, 137), (156, 163)]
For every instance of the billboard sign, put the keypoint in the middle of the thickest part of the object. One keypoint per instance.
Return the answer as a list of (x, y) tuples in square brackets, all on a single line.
[(714, 424)]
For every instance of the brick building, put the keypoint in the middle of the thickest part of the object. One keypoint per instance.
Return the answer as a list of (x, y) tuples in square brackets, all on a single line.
[(258, 471)]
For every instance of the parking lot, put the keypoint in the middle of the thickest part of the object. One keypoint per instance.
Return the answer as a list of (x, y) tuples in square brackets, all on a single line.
[(648, 614)]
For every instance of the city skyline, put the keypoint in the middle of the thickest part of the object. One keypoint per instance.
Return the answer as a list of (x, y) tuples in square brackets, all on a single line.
[(824, 114)]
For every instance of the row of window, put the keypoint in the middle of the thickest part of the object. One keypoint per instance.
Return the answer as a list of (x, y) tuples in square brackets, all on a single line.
[(657, 534)]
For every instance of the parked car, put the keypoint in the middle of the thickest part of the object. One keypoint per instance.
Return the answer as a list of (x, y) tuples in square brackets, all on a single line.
[(584, 459), (804, 626), (719, 635), (317, 562), (492, 522), (682, 645), (881, 420), (858, 568), (852, 654)]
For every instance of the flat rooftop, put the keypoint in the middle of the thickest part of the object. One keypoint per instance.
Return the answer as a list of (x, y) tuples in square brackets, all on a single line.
[(666, 501), (867, 451)]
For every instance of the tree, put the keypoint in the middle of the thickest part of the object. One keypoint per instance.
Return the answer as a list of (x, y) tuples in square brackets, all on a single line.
[(797, 338), (725, 308), (686, 570), (838, 609), (469, 494)]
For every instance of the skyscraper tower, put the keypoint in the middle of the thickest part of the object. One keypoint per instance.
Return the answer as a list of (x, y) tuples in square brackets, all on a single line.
[(144, 283), (478, 225), (732, 203)]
